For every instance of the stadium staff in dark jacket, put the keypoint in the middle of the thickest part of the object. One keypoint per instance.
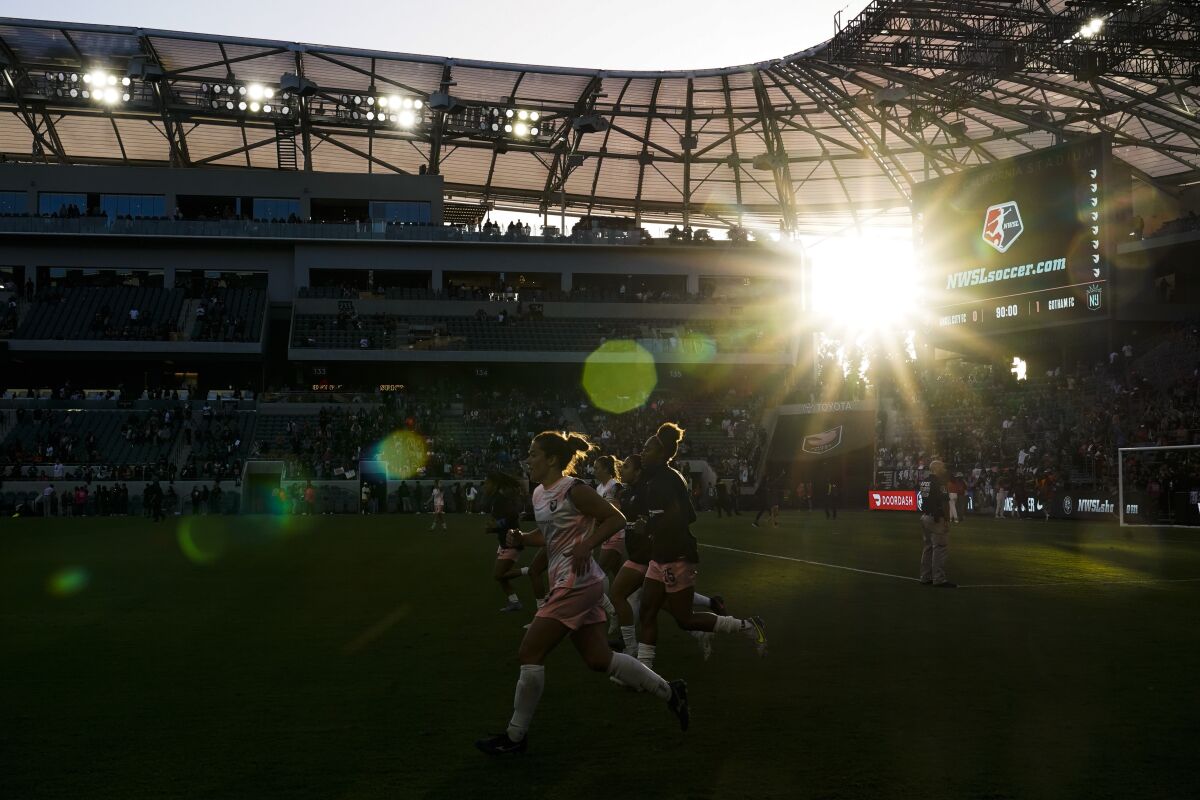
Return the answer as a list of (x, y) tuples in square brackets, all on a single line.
[(935, 529)]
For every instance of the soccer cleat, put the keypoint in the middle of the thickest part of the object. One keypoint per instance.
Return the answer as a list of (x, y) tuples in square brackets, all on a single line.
[(501, 745), (678, 703), (616, 645), (512, 607), (716, 604), (757, 632)]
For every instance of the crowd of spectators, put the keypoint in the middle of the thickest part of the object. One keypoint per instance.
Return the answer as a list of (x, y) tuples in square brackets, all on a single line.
[(1050, 433)]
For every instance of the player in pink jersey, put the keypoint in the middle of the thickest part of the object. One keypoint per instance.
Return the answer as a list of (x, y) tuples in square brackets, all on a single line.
[(612, 553), (437, 499), (572, 521)]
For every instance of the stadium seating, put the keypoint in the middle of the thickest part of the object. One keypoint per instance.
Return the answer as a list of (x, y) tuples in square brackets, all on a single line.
[(392, 332), (104, 313)]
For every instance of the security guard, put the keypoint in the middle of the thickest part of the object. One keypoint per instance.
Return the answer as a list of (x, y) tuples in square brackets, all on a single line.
[(935, 530)]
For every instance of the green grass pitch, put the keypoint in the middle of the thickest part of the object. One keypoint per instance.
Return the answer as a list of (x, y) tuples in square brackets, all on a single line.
[(359, 657)]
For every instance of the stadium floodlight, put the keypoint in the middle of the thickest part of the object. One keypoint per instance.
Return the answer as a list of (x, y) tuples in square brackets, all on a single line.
[(508, 112), (254, 106), (241, 105), (406, 119), (256, 91), (521, 129)]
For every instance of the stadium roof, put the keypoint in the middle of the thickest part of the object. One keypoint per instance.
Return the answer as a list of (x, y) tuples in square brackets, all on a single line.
[(909, 90)]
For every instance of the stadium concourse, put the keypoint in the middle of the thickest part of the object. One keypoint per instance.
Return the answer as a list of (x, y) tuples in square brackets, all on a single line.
[(338, 387)]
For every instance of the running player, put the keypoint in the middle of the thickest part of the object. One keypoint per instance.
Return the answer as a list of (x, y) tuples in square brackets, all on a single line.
[(572, 520), (503, 496), (612, 553), (437, 499), (671, 576), (626, 588)]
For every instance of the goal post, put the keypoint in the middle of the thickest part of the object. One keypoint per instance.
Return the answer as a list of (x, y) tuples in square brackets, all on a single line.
[(1159, 486)]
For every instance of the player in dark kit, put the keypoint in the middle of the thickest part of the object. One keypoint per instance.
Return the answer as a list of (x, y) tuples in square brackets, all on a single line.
[(671, 576), (504, 497)]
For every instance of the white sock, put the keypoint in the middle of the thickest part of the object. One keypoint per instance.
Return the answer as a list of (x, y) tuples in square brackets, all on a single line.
[(541, 601), (635, 602), (701, 601), (729, 625), (512, 598), (645, 654), (629, 634), (525, 701), (632, 672), (609, 609), (524, 570)]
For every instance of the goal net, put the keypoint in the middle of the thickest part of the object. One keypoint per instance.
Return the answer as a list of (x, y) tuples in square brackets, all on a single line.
[(1159, 485)]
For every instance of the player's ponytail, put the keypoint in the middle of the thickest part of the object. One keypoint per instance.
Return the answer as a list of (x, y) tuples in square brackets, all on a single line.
[(669, 436), (567, 448)]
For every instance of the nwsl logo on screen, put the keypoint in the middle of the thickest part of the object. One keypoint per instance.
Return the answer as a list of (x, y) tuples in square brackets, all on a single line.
[(1002, 225)]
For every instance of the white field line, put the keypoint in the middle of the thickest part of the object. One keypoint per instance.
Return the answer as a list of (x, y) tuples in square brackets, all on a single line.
[(813, 563), (961, 586)]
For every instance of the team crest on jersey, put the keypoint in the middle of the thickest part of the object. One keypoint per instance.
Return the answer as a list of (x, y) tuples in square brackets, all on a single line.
[(823, 442), (554, 505), (1002, 225)]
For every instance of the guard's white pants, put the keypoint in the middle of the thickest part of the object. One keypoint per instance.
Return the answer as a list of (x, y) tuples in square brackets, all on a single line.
[(953, 507), (1001, 496)]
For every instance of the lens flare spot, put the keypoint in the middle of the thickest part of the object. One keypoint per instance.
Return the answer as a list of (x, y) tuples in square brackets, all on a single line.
[(202, 546), (619, 376), (405, 453), (68, 581)]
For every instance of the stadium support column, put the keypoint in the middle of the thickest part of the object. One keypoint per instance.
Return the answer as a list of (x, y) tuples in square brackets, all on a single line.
[(693, 284), (435, 281), (567, 280), (169, 277)]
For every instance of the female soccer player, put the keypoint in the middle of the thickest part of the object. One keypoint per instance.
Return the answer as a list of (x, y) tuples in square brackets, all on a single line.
[(437, 499), (572, 520), (503, 495), (637, 546), (671, 576), (612, 552), (626, 588)]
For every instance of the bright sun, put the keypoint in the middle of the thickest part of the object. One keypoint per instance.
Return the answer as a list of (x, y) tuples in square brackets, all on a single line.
[(864, 283)]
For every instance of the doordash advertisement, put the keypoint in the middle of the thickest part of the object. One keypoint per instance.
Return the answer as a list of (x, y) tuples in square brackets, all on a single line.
[(879, 500)]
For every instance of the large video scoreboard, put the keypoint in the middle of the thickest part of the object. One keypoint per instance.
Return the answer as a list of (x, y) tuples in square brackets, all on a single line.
[(1020, 243)]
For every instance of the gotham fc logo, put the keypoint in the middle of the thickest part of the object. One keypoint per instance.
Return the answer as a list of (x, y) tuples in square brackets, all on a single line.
[(1002, 225), (1093, 297)]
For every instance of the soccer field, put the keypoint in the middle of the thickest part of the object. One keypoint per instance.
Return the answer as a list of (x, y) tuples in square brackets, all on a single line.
[(353, 657)]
